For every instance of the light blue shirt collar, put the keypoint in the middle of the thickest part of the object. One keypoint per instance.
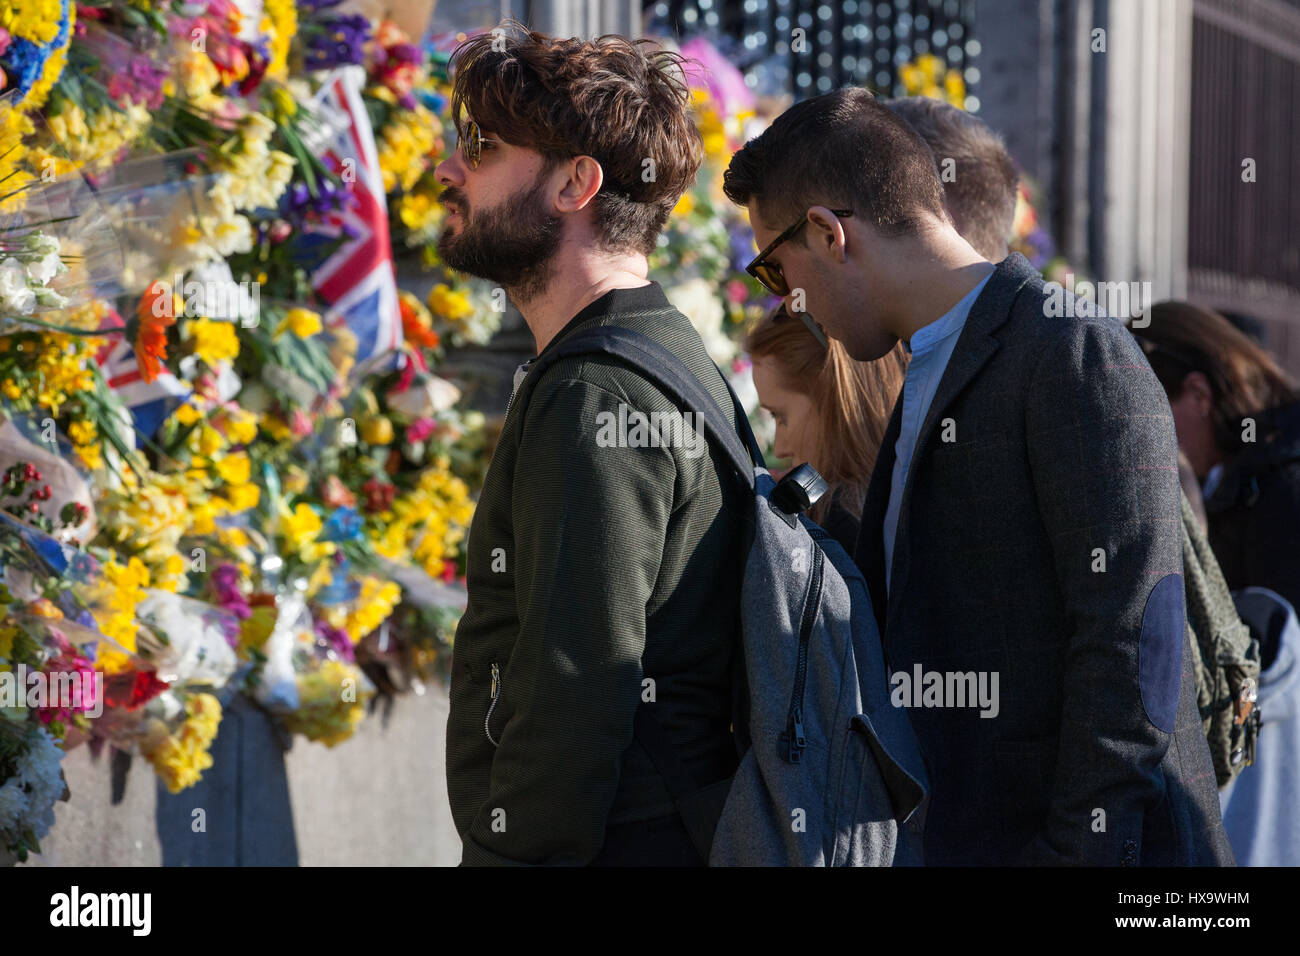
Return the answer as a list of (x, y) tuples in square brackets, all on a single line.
[(931, 347), (928, 337)]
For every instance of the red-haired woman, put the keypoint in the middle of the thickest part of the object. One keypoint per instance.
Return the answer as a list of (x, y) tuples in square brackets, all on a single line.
[(830, 411)]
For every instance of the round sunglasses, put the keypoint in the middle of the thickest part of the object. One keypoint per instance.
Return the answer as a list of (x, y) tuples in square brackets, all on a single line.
[(472, 143)]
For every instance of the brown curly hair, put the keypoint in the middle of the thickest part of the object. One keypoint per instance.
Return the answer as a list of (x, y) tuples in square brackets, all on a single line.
[(625, 104)]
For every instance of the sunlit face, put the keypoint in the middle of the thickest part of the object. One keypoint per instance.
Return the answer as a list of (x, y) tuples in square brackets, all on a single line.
[(824, 285), (796, 418), (495, 228)]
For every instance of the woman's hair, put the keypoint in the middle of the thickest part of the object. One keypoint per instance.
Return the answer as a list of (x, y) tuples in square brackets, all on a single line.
[(852, 399), (1244, 379)]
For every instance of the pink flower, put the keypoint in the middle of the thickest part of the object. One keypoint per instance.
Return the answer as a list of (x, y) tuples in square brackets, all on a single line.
[(420, 429), (206, 387), (81, 692), (736, 292), (5, 39), (300, 423)]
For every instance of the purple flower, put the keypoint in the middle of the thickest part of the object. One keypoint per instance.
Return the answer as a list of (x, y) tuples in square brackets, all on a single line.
[(742, 246), (336, 41), (405, 53), (225, 590), (297, 204), (336, 639)]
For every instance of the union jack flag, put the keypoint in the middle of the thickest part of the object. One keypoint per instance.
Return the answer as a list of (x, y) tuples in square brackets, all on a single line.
[(357, 280)]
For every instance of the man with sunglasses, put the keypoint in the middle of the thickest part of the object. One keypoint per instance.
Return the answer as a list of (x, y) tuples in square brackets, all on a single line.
[(1023, 517), (600, 578)]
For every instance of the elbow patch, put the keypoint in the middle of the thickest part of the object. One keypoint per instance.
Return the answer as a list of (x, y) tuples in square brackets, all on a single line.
[(1160, 651)]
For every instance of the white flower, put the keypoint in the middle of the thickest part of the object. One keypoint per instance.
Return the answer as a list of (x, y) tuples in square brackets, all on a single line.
[(698, 300), (42, 257), (49, 298), (44, 269), (15, 297), (427, 396)]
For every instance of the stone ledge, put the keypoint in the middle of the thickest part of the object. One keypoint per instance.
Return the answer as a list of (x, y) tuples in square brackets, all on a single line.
[(379, 799)]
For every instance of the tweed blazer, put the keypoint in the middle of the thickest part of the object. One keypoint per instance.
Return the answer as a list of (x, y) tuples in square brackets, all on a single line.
[(1039, 549)]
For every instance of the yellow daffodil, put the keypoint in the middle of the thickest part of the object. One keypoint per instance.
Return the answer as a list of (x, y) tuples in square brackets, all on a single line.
[(303, 323)]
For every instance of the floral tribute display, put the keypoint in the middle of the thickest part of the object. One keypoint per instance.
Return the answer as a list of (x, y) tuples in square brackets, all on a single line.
[(219, 473)]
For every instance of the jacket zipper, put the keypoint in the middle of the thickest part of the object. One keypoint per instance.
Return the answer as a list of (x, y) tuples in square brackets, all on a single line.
[(496, 693), (793, 740)]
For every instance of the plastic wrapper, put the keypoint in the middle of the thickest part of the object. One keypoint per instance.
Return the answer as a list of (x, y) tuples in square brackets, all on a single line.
[(30, 560), (291, 637), (168, 218), (63, 207), (189, 642), (63, 650), (66, 483)]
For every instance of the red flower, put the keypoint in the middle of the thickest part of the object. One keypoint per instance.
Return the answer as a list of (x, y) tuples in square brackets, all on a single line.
[(379, 495), (133, 689)]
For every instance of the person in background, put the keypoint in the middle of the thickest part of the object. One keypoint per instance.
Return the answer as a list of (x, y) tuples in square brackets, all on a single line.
[(979, 177), (830, 411), (1238, 421)]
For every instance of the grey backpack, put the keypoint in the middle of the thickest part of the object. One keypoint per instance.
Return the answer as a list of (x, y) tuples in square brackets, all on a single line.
[(830, 773)]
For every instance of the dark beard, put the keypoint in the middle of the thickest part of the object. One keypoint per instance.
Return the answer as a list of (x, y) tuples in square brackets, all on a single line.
[(512, 244)]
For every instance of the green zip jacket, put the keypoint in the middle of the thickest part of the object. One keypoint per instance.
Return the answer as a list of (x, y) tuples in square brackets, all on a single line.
[(598, 573)]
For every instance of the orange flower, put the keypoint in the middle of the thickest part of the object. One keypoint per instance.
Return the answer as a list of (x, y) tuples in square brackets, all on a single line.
[(417, 324), (151, 337)]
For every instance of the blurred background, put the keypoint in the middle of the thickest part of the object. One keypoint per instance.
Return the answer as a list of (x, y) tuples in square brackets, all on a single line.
[(1132, 118)]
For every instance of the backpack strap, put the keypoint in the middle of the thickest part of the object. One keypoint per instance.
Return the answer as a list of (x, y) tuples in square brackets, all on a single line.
[(668, 373)]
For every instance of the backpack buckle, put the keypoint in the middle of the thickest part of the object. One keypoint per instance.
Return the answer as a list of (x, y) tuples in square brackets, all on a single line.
[(798, 490)]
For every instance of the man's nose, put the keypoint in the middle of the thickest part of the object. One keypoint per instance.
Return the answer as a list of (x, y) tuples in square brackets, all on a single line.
[(451, 171)]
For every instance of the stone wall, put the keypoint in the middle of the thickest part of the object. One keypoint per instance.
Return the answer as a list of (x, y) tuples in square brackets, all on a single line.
[(379, 799)]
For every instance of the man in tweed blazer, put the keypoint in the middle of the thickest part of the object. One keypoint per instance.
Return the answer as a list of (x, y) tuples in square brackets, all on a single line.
[(1035, 522)]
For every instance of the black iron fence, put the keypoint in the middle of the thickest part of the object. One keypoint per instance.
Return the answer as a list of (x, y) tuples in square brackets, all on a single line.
[(1244, 204), (806, 47)]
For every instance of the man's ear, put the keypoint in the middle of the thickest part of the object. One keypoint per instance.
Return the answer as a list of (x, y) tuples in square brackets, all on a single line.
[(584, 180), (826, 232)]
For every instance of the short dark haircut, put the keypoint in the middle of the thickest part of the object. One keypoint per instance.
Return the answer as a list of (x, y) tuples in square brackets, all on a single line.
[(981, 194), (838, 149), (621, 102)]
